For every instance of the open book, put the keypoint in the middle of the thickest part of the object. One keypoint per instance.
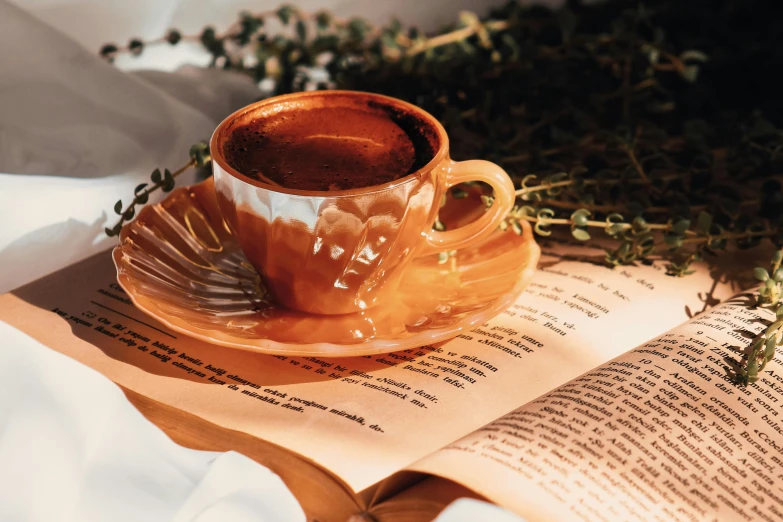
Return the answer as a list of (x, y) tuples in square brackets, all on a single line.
[(593, 397)]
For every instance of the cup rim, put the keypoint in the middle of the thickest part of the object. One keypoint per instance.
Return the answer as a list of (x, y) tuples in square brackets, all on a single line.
[(217, 154)]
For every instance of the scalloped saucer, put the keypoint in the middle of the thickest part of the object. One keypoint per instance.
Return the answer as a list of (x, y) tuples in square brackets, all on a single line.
[(180, 264)]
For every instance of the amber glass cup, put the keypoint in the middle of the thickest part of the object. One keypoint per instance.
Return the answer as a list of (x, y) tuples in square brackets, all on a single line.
[(337, 252)]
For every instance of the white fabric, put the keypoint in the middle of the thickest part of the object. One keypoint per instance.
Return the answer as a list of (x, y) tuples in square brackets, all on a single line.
[(469, 510), (76, 134), (72, 448)]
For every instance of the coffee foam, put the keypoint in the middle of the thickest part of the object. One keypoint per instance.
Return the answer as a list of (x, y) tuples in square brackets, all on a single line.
[(327, 146)]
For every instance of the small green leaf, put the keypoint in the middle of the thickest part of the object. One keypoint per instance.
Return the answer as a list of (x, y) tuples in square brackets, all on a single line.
[(693, 55), (545, 214), (673, 241), (580, 234), (704, 222), (513, 46), (395, 26), (173, 36), (778, 275), (769, 351), (681, 226), (118, 207), (646, 245), (128, 214), (542, 231), (760, 273), (168, 181), (615, 229), (653, 55), (285, 13), (639, 224), (301, 30), (526, 210), (580, 217), (156, 177), (141, 197), (690, 73), (208, 36), (770, 283), (528, 179), (323, 19), (357, 29), (135, 46), (108, 51), (753, 368), (199, 153), (249, 25)]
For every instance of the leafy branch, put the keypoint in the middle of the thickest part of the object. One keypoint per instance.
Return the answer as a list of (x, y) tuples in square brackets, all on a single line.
[(762, 349), (199, 157), (362, 34)]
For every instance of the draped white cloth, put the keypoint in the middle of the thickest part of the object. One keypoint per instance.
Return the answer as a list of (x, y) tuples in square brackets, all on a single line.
[(77, 134), (72, 448)]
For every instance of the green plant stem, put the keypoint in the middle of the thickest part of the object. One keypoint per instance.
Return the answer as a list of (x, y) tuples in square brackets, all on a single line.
[(597, 224), (608, 209), (414, 47), (708, 239), (776, 264), (675, 64), (635, 162), (590, 182), (456, 36), (234, 29), (730, 235), (138, 199)]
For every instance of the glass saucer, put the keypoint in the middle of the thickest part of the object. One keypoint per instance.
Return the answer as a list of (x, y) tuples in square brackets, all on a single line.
[(180, 264)]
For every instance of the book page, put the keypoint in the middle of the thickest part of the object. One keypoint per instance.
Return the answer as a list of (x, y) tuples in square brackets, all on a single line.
[(361, 418), (661, 433)]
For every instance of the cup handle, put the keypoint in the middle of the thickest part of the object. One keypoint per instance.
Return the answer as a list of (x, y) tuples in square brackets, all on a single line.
[(473, 170)]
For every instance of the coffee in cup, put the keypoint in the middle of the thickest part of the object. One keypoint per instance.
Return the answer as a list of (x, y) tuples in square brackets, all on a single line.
[(328, 148)]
